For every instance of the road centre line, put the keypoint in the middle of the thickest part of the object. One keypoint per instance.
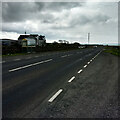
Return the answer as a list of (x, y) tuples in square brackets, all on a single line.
[(26, 66), (80, 71), (70, 54), (64, 56), (36, 56), (55, 95), (16, 59), (72, 79)]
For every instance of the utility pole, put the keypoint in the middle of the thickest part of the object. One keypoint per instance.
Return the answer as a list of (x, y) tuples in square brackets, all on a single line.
[(88, 38)]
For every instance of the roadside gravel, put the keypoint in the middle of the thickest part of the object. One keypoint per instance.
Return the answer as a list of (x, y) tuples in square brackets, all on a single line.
[(93, 94)]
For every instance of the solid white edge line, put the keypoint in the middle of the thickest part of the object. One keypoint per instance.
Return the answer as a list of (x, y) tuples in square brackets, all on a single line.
[(72, 79), (80, 71), (29, 65), (55, 95)]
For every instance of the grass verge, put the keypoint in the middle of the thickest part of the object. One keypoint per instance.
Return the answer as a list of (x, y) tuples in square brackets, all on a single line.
[(113, 51)]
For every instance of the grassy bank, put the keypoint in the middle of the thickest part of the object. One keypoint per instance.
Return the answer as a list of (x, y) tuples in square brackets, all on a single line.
[(113, 51)]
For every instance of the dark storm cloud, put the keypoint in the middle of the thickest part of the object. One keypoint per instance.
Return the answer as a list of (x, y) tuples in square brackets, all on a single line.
[(21, 11)]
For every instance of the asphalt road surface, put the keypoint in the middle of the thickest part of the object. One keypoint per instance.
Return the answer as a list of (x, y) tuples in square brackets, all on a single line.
[(30, 81)]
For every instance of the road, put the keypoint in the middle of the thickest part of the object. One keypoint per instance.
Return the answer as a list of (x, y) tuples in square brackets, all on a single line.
[(30, 81)]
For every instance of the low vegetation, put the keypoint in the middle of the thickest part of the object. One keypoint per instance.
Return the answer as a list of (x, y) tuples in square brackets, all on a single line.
[(113, 50), (19, 50)]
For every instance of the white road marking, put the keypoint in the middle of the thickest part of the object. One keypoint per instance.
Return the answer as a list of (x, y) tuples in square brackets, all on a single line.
[(16, 59), (26, 66), (55, 95), (88, 63), (80, 71), (95, 56), (85, 66), (69, 54), (72, 79), (64, 56), (36, 56), (2, 61)]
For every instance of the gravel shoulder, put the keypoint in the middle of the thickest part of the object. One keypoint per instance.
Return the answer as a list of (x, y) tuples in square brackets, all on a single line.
[(93, 94)]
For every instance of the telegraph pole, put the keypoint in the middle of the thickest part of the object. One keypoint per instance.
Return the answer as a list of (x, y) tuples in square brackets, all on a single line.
[(88, 38)]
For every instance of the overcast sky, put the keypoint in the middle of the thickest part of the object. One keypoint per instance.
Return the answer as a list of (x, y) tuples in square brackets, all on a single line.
[(62, 20)]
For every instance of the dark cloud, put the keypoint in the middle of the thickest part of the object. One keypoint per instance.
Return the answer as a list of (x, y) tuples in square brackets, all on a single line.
[(21, 11), (58, 6), (15, 11), (58, 19), (87, 20)]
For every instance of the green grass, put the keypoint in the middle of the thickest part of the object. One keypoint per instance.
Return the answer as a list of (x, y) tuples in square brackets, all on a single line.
[(113, 51)]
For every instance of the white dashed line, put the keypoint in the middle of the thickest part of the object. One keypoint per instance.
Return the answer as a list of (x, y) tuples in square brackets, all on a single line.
[(55, 95), (72, 79), (16, 59), (36, 56), (88, 63), (26, 66), (64, 56), (85, 66), (95, 56), (80, 71)]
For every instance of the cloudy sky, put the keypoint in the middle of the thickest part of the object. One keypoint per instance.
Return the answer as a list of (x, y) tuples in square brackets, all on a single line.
[(62, 20)]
